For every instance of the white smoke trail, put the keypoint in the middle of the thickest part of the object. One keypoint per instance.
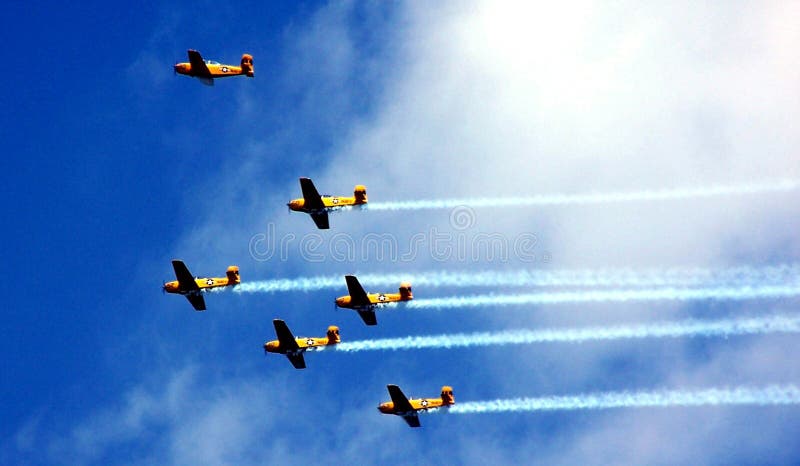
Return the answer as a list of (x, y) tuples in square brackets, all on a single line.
[(597, 296), (686, 328), (764, 396), (686, 276), (591, 198)]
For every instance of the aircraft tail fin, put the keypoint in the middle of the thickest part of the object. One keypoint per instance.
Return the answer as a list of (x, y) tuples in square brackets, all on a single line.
[(360, 193), (247, 65), (405, 291), (333, 335), (447, 396), (233, 275)]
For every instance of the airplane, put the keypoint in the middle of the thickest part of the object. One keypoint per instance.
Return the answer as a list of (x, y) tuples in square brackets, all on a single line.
[(294, 347), (318, 206), (408, 408), (365, 304), (193, 288), (207, 70)]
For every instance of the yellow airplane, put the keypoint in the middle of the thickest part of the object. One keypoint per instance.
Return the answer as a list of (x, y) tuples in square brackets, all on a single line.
[(318, 206), (293, 347), (193, 288), (364, 303), (207, 70), (408, 408)]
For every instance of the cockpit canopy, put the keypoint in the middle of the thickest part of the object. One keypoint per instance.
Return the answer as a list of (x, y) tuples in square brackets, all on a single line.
[(212, 62)]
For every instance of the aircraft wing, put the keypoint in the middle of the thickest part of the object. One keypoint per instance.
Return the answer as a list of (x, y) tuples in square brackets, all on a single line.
[(321, 219), (297, 360), (199, 67), (412, 420), (401, 403), (197, 301), (368, 317), (357, 294), (185, 278), (285, 337), (313, 201)]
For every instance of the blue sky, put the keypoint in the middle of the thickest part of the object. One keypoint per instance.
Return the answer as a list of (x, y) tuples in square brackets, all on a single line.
[(113, 167)]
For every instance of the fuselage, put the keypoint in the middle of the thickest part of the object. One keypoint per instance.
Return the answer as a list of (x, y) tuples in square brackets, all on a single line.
[(305, 343), (202, 283), (375, 299), (419, 404), (329, 203), (217, 70)]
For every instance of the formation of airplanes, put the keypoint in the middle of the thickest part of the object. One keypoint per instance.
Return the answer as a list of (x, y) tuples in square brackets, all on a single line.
[(318, 207)]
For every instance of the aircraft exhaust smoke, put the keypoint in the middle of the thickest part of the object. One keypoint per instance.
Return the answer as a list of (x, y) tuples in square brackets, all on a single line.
[(599, 296), (766, 396), (608, 277), (592, 198), (686, 328)]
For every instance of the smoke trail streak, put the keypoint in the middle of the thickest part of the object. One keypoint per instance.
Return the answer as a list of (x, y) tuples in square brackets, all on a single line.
[(687, 276), (591, 198), (598, 296), (764, 396), (686, 328)]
